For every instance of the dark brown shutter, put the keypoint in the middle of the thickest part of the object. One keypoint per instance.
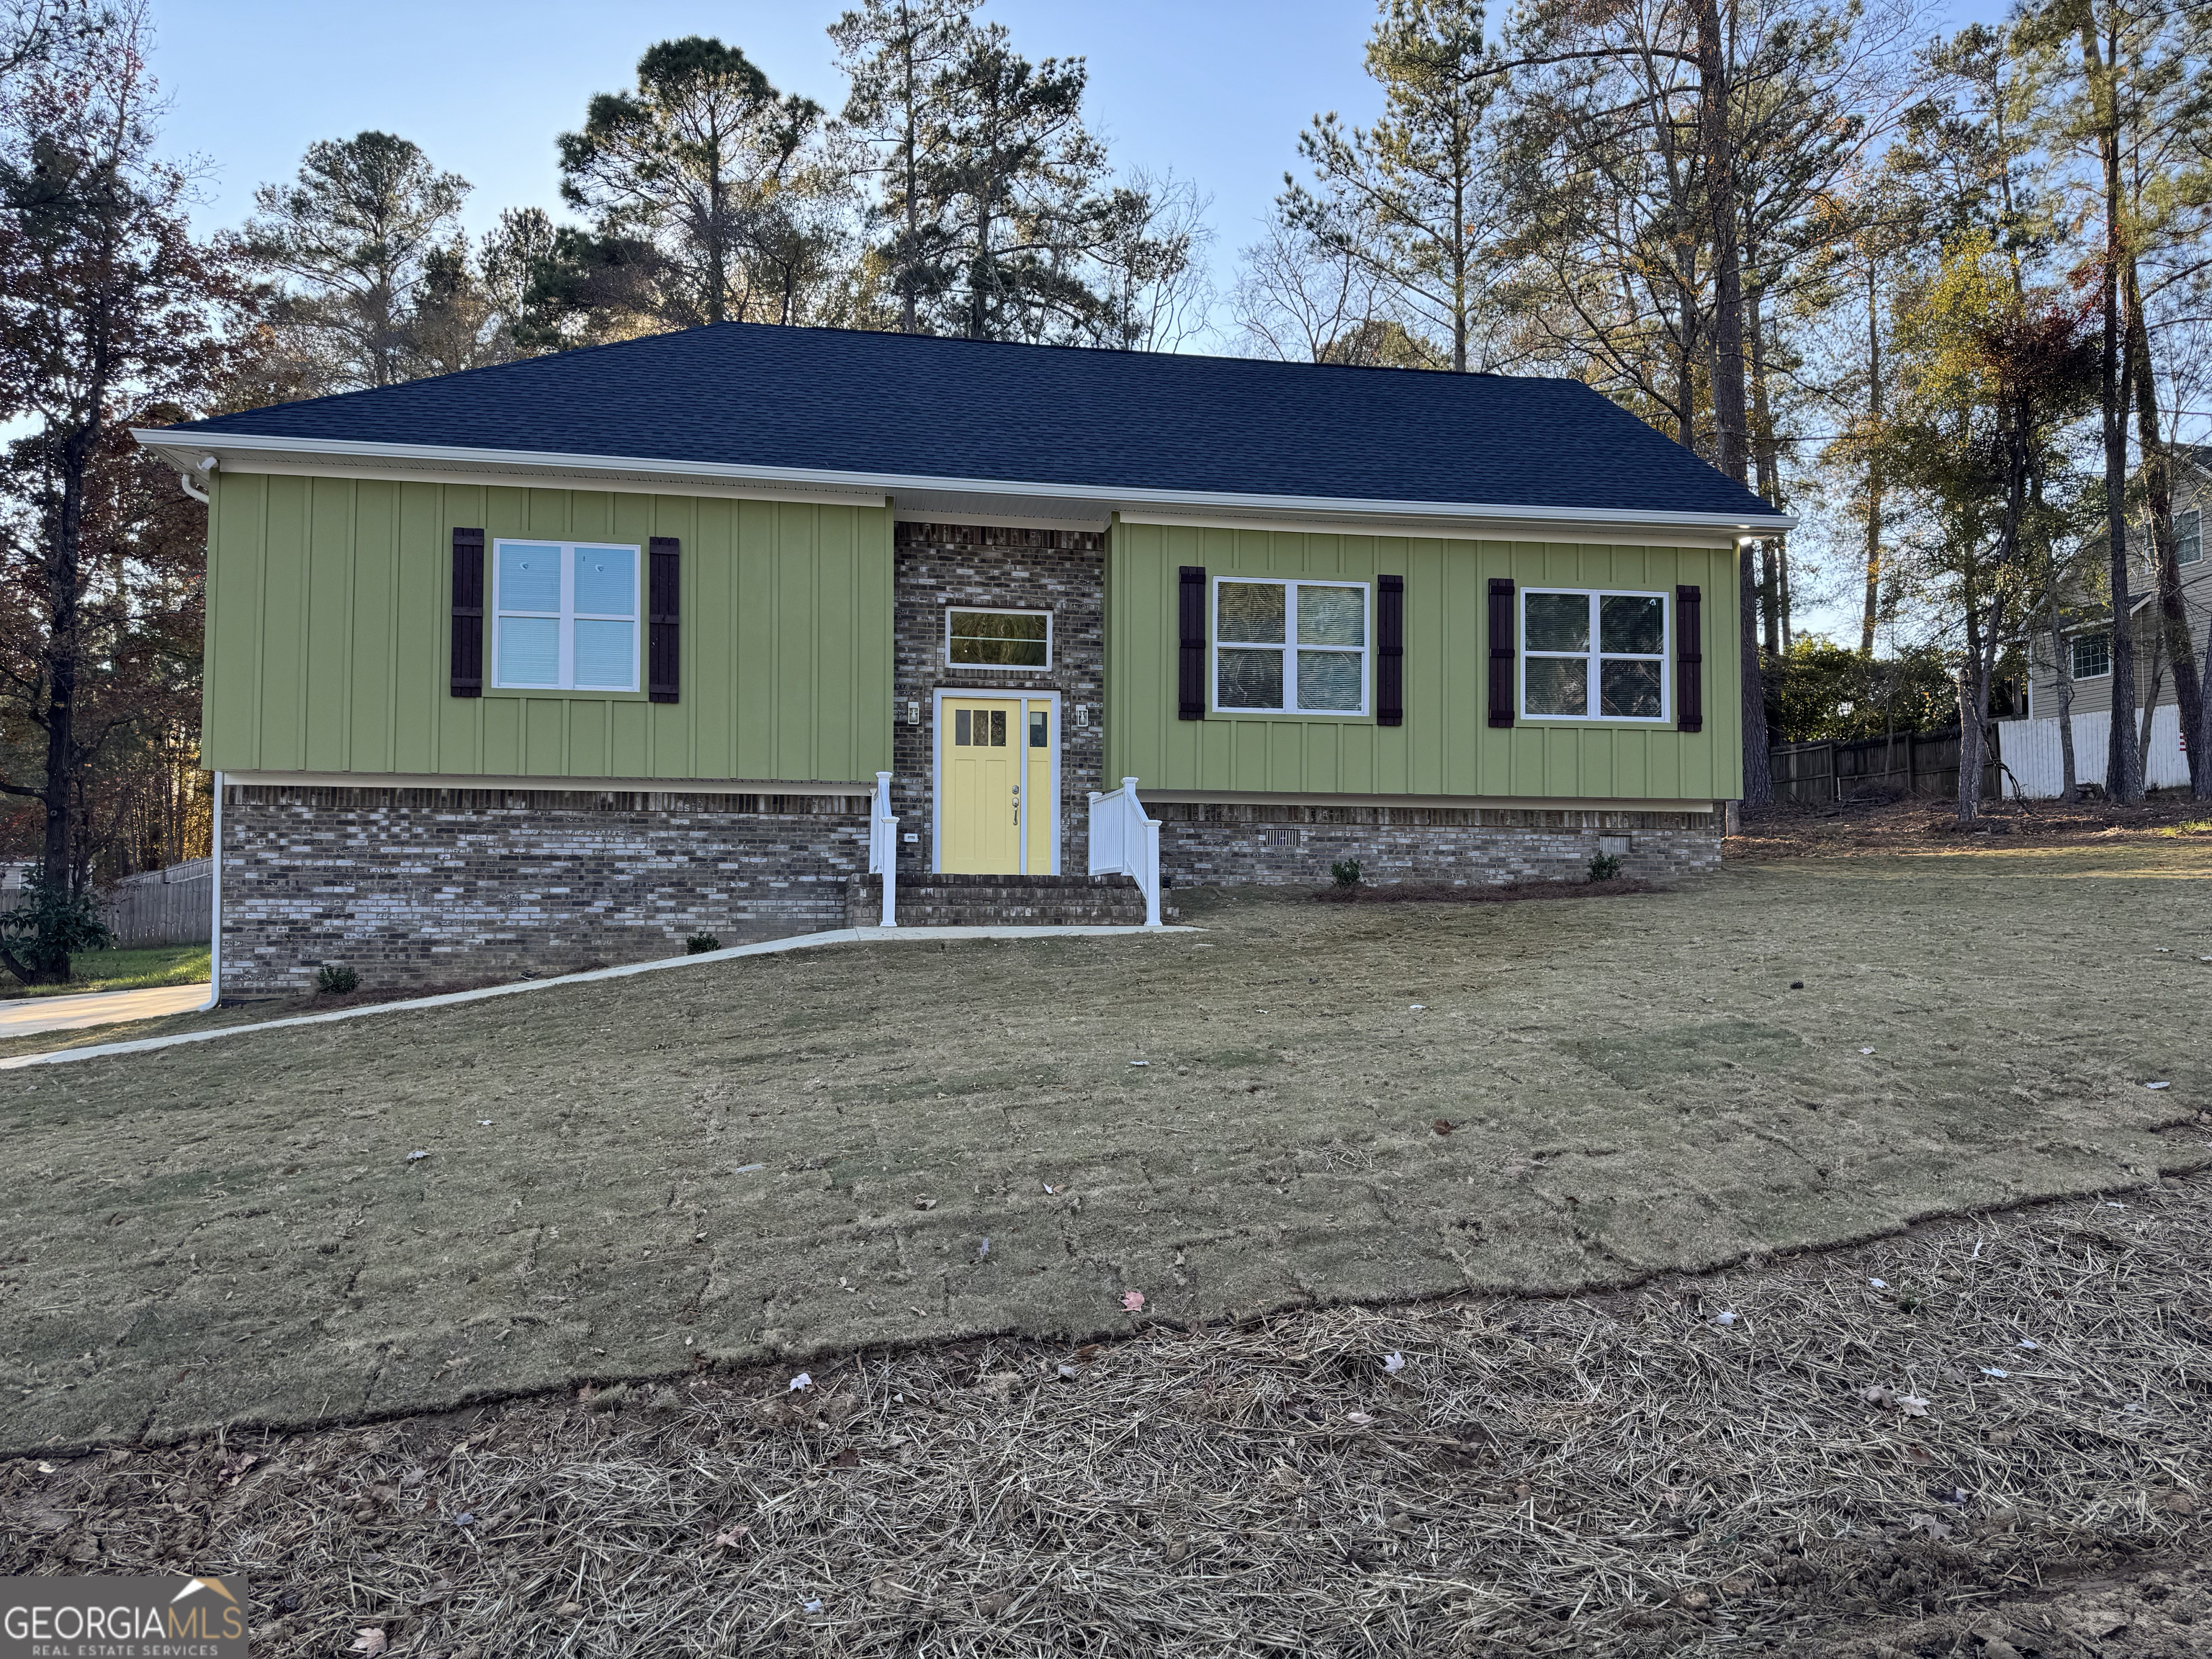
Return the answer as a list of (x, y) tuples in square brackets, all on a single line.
[(1689, 660), (664, 590), (1501, 651), (466, 670), (1390, 636), (1190, 656)]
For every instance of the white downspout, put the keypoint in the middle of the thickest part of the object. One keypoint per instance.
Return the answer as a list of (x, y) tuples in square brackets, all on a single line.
[(214, 906), (207, 467)]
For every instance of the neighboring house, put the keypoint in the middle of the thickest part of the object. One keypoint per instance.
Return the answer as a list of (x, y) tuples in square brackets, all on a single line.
[(562, 660), (2030, 745)]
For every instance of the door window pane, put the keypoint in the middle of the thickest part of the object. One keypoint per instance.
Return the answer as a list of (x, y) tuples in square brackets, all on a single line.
[(529, 651), (1328, 679), (1558, 685), (1330, 616), (1251, 679), (1558, 622), (997, 728), (1039, 734), (1251, 613)]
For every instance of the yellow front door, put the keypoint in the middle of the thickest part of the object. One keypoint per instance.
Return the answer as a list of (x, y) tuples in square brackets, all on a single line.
[(994, 782)]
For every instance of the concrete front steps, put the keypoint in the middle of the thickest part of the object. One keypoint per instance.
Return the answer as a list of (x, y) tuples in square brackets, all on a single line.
[(926, 901)]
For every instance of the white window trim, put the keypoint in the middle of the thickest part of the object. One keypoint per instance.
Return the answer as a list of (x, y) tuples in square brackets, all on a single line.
[(2196, 513), (1290, 647), (997, 667), (1596, 658), (567, 617)]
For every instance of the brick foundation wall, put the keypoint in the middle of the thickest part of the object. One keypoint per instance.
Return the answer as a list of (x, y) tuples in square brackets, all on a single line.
[(430, 886), (1205, 844), (938, 566)]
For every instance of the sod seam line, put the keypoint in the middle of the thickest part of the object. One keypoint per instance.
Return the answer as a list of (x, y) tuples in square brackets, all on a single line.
[(762, 948)]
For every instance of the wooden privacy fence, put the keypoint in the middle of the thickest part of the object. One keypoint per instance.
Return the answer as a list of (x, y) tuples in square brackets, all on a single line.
[(1908, 763), (162, 906)]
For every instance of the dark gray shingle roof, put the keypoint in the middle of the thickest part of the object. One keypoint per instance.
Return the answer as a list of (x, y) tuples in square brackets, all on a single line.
[(919, 406)]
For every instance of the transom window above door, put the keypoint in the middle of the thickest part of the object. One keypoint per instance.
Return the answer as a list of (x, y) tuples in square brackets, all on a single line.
[(565, 616), (998, 639), (1593, 656), (1291, 647)]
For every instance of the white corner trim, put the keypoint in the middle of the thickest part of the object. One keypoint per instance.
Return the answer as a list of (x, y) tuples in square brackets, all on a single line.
[(253, 452), (452, 999)]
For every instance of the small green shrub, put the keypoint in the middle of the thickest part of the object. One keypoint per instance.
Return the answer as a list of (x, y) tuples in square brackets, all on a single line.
[(1346, 871), (1604, 867), (335, 979), (51, 925), (699, 944)]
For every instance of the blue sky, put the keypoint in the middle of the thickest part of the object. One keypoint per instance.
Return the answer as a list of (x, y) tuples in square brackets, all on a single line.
[(1215, 89)]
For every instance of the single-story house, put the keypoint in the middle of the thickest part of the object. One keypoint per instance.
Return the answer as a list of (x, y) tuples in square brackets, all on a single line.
[(564, 661), (2030, 742)]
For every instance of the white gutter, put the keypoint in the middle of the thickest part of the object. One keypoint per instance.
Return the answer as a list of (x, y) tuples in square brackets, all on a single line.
[(174, 443), (214, 906)]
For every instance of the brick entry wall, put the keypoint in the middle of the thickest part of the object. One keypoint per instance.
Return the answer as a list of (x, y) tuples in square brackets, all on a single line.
[(1205, 844), (413, 887), (937, 566)]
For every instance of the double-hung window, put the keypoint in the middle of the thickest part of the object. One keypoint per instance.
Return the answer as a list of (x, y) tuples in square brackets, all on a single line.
[(2091, 655), (2188, 536), (566, 616), (1593, 656), (1290, 647)]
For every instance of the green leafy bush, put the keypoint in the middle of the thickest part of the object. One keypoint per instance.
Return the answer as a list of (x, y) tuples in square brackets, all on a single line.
[(335, 979), (1346, 871), (699, 944), (1604, 867), (50, 925)]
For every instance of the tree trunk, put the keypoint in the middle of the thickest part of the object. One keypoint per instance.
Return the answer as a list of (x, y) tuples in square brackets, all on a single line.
[(2061, 662), (1728, 421), (1874, 468), (2123, 773), (1970, 741), (2158, 476)]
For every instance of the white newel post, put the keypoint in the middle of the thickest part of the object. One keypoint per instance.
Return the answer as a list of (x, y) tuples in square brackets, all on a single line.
[(1126, 842), (883, 848)]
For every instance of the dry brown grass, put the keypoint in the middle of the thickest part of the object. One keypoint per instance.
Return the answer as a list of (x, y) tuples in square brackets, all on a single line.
[(788, 1157), (1504, 893), (1615, 1475)]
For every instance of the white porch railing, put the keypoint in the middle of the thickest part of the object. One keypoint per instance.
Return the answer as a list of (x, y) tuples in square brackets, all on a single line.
[(1125, 842), (883, 848)]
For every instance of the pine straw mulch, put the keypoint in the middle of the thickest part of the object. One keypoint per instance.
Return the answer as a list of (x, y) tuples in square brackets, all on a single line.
[(1762, 1459), (1885, 824), (1362, 892)]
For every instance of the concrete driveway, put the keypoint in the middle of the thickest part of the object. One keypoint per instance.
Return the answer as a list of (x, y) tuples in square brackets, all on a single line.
[(28, 1016)]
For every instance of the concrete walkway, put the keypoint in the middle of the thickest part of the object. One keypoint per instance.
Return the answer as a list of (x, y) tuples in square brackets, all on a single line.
[(28, 1016)]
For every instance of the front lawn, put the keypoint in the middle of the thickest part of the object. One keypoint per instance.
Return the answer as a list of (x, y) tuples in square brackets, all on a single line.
[(135, 968), (790, 1156)]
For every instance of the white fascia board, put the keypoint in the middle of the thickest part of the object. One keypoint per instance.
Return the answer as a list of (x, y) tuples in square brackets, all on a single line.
[(253, 452)]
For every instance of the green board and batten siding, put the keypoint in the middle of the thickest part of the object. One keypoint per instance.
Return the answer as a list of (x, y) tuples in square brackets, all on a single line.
[(1446, 746), (328, 637)]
